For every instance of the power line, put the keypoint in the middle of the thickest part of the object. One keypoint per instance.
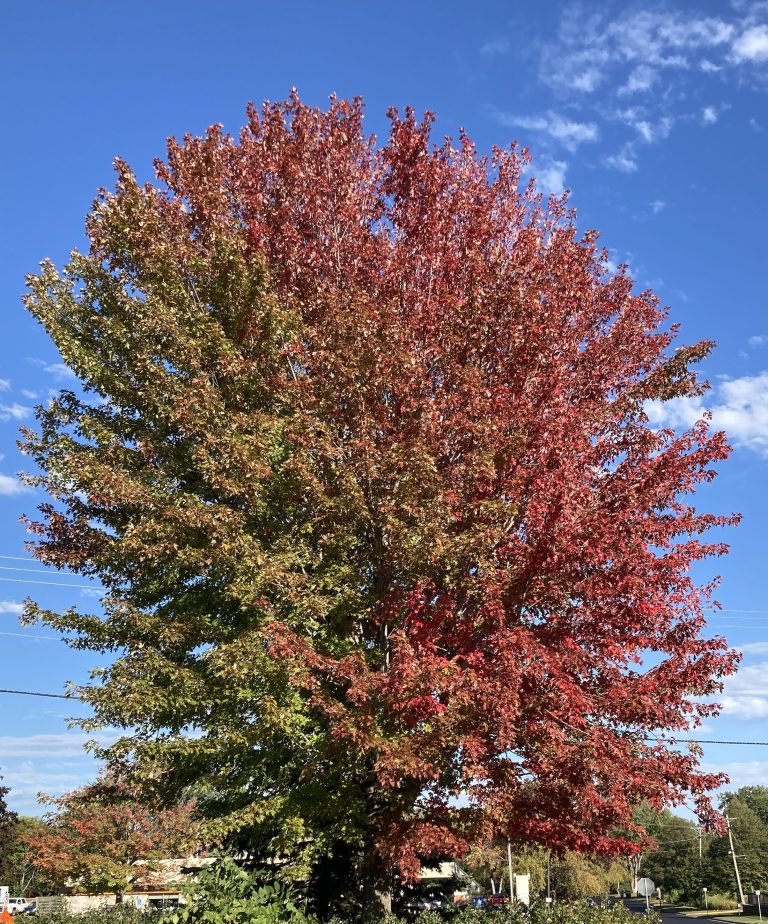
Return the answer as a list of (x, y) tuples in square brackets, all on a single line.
[(33, 570), (51, 583), (707, 741), (36, 693), (53, 638)]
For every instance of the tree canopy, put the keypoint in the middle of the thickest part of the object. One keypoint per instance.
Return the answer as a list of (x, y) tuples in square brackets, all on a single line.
[(393, 562), (8, 824), (100, 838)]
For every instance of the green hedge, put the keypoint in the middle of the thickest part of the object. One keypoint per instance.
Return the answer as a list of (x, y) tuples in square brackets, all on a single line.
[(266, 907)]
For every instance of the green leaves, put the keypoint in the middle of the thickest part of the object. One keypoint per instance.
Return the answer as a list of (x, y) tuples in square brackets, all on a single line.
[(225, 893), (361, 460)]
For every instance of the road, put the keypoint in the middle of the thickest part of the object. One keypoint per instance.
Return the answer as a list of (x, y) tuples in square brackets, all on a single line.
[(668, 917)]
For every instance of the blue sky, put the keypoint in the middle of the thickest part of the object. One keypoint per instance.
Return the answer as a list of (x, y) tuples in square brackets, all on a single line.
[(654, 114)]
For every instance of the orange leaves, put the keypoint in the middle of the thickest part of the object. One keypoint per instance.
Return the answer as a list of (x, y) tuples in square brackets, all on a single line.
[(373, 465)]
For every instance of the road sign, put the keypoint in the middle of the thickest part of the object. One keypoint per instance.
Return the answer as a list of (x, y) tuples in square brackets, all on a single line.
[(646, 887)]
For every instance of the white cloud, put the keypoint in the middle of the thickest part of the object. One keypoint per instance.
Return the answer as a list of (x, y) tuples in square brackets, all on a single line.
[(496, 46), (65, 744), (642, 78), (591, 49), (587, 81), (752, 45), (566, 131), (738, 406), (652, 55), (754, 648), (4, 384), (16, 411), (745, 694), (550, 176), (741, 773), (624, 160), (30, 395), (60, 371), (658, 206), (29, 778), (759, 340), (10, 485), (11, 606)]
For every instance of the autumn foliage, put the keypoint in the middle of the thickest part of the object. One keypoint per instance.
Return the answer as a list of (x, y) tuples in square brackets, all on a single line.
[(99, 838), (362, 463)]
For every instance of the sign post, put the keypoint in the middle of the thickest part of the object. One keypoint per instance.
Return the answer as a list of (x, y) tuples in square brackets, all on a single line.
[(646, 887)]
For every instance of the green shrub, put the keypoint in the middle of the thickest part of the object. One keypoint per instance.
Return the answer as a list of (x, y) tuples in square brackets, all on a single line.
[(227, 894), (720, 901), (125, 913)]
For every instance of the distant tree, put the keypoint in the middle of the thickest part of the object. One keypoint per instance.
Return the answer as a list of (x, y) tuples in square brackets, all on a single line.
[(96, 835), (750, 835), (756, 797), (363, 463), (487, 863), (673, 864), (8, 834), (20, 873)]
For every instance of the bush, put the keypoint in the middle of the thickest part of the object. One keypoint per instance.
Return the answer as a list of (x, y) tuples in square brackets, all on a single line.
[(125, 913), (226, 894), (720, 901)]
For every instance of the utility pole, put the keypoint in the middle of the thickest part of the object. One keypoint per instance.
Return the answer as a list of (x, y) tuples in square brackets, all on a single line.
[(701, 873), (549, 875), (735, 861), (509, 862)]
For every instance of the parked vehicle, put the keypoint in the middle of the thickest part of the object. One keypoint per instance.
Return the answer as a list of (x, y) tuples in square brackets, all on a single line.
[(480, 901), (18, 905), (498, 900), (425, 901)]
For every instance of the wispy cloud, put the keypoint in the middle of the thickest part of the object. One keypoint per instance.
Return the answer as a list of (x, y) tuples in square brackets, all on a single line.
[(27, 779), (591, 50), (741, 773), (752, 45), (10, 486), (11, 606), (745, 695), (758, 340), (754, 648), (738, 406), (624, 160), (568, 132), (640, 79), (550, 176), (65, 744), (16, 411), (60, 371), (499, 45), (658, 206), (600, 59), (4, 384)]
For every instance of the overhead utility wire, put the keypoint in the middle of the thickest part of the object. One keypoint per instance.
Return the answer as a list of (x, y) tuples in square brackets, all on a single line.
[(51, 583), (35, 693)]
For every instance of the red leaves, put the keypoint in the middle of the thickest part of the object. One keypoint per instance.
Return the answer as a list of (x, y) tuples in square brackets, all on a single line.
[(421, 400)]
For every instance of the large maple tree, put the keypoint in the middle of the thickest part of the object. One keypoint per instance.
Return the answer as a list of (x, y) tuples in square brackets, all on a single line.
[(394, 563)]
